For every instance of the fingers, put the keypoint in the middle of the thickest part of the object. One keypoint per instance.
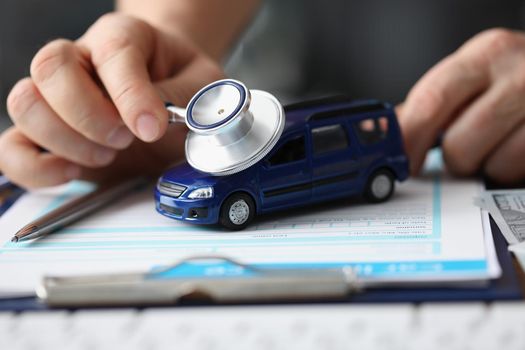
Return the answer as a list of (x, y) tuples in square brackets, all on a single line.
[(475, 95), (179, 89), (88, 99), (481, 127), (125, 77), (506, 164), (59, 72), (33, 117), (121, 56), (435, 100), (23, 162)]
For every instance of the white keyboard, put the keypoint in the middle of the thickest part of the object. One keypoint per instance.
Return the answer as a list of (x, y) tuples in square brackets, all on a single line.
[(478, 326)]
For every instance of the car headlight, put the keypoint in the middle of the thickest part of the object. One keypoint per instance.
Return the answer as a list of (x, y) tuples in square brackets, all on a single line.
[(201, 193)]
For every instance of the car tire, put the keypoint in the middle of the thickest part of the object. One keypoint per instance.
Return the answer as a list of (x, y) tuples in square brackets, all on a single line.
[(237, 211), (380, 186)]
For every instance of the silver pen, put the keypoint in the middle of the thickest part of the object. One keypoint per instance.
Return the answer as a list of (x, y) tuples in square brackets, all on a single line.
[(76, 209)]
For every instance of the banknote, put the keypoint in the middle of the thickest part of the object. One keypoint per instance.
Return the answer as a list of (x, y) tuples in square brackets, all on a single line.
[(507, 208)]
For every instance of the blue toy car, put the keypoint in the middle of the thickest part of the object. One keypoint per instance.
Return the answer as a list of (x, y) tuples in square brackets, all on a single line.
[(329, 148)]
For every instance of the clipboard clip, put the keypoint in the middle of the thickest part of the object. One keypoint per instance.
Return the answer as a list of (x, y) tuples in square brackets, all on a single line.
[(205, 278)]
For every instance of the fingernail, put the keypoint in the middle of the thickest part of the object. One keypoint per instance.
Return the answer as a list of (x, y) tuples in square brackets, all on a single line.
[(121, 137), (148, 127), (73, 172), (103, 156)]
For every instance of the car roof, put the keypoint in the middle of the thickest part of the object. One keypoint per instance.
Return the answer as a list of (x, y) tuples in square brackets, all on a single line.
[(300, 113)]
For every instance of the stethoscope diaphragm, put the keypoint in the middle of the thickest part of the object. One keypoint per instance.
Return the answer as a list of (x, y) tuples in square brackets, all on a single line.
[(230, 127)]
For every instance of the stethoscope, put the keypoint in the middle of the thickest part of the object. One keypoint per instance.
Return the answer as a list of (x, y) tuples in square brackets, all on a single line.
[(230, 127)]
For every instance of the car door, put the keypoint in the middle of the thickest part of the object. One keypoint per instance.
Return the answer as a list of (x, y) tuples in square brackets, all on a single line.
[(284, 176), (335, 164)]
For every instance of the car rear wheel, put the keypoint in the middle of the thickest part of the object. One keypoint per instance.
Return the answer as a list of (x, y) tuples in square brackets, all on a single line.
[(237, 211), (380, 186)]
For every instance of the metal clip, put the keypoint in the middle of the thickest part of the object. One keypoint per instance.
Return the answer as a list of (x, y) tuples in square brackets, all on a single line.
[(168, 286)]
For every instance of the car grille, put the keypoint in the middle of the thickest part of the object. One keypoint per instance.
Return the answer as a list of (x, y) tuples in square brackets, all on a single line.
[(170, 189), (172, 210)]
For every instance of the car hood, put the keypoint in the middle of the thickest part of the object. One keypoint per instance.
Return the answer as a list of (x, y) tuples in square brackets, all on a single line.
[(186, 175)]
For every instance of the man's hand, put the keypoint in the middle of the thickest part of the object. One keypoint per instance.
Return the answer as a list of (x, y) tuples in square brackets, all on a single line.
[(476, 99), (97, 103)]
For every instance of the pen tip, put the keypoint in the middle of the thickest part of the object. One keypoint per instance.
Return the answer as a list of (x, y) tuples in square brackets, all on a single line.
[(24, 233)]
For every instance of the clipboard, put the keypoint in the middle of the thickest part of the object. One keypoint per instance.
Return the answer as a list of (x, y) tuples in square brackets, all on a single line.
[(506, 287), (15, 193)]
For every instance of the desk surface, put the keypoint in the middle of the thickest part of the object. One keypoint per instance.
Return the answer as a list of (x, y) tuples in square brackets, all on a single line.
[(400, 326)]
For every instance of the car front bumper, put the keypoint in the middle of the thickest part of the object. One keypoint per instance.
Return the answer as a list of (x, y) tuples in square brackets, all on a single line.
[(198, 211)]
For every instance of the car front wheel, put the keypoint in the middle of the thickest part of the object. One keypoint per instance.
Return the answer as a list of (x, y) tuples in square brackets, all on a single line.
[(380, 186), (237, 211)]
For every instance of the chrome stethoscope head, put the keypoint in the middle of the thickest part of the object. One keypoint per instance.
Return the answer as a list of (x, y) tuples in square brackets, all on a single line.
[(231, 127)]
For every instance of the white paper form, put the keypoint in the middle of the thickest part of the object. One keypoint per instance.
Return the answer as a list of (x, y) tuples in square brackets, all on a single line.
[(429, 230)]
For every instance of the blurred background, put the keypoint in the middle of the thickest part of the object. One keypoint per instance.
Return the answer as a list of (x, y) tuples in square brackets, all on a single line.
[(26, 25), (296, 48)]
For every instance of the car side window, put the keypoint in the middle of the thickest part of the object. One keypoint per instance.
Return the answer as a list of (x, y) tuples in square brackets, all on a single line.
[(329, 138), (371, 130), (290, 151)]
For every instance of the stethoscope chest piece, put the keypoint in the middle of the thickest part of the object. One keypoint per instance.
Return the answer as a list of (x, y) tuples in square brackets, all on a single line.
[(231, 127)]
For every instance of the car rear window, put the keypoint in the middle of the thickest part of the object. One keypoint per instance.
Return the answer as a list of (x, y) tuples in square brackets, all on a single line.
[(371, 130), (329, 138)]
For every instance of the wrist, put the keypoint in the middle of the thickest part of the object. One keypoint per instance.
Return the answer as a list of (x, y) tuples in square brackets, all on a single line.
[(213, 26)]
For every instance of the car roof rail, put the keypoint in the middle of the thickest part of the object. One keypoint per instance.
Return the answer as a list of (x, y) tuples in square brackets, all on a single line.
[(365, 107), (317, 102)]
